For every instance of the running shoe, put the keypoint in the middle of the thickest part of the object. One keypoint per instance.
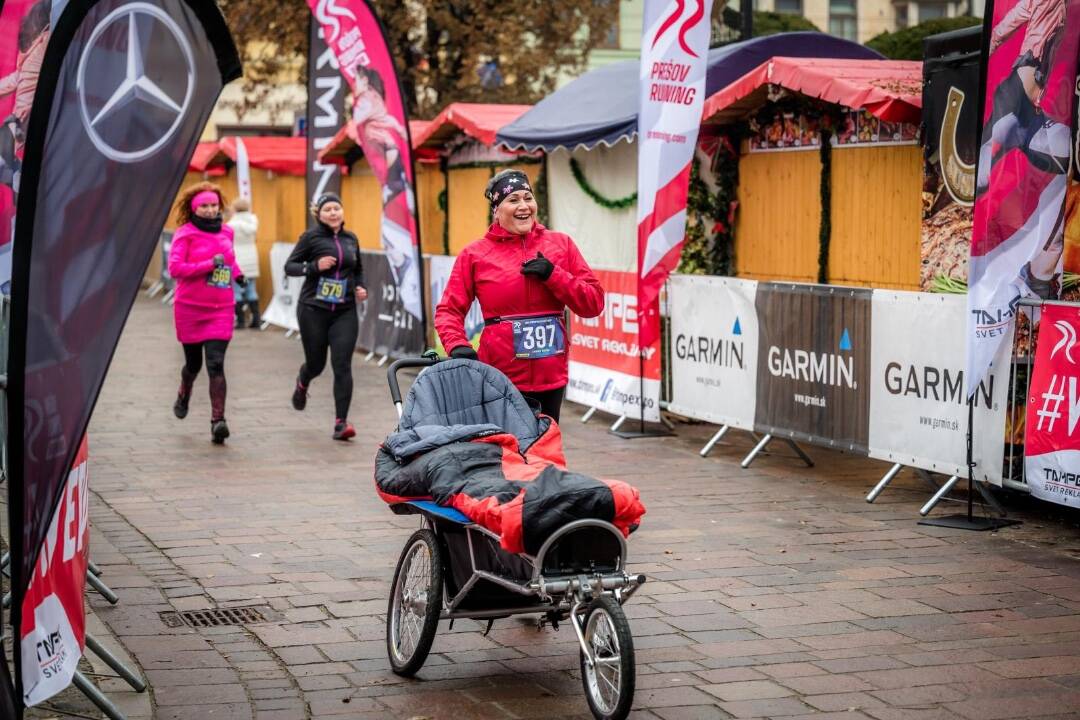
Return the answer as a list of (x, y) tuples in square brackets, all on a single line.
[(299, 395), (343, 430), (218, 431), (180, 407)]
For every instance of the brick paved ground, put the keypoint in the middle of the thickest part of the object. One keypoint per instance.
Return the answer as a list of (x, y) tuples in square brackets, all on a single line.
[(774, 592)]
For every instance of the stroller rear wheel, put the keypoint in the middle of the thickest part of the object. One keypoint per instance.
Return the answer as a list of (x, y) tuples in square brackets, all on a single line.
[(415, 603), (609, 680)]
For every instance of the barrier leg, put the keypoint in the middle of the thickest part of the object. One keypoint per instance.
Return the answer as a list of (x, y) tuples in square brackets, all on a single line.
[(137, 684), (618, 423), (667, 423), (167, 298), (942, 492), (893, 472), (928, 479), (765, 440), (990, 499), (713, 440), (383, 360), (588, 414), (800, 452), (104, 590), (265, 324), (92, 567), (288, 334), (94, 695), (154, 289), (367, 358)]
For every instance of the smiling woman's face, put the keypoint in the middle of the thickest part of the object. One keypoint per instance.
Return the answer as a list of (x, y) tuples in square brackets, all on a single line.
[(517, 213)]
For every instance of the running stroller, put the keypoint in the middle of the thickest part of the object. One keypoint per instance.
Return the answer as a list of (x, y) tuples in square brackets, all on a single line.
[(541, 540)]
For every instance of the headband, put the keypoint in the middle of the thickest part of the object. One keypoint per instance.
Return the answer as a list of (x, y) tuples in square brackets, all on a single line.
[(506, 184), (326, 198), (206, 197)]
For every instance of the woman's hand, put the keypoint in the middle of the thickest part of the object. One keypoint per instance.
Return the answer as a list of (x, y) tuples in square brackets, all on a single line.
[(361, 294), (325, 263)]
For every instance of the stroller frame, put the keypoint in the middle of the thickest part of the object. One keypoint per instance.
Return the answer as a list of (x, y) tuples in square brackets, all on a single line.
[(591, 599)]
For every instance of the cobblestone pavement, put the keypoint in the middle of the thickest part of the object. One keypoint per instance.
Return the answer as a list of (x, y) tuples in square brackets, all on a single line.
[(773, 592)]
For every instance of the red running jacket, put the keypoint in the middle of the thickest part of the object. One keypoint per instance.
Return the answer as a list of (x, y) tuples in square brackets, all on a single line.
[(489, 270)]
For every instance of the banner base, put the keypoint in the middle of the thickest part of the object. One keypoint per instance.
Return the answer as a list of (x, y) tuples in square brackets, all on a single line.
[(964, 522), (643, 431)]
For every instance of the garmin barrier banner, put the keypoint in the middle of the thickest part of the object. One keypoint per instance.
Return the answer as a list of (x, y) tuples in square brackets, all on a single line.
[(126, 89), (605, 363), (1022, 175), (918, 409), (386, 325), (814, 364), (714, 349), (325, 115), (439, 268), (352, 31), (671, 91)]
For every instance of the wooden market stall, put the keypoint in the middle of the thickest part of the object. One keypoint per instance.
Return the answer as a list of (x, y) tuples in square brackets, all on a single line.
[(829, 170)]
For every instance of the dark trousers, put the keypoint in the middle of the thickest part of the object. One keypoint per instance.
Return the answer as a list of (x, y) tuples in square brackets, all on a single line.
[(335, 331), (550, 401), (214, 351)]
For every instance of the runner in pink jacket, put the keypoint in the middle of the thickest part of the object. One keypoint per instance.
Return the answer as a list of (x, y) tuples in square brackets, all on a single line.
[(202, 261)]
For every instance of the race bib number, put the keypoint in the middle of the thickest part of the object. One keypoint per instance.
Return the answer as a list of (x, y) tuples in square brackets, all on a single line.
[(331, 290), (221, 277), (538, 337)]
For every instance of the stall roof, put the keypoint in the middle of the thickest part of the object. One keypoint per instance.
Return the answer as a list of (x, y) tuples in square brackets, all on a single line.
[(601, 106), (346, 142), (207, 158), (283, 155), (889, 89), (479, 121)]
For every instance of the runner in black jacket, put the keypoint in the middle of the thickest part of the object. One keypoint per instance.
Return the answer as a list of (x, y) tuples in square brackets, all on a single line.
[(328, 258)]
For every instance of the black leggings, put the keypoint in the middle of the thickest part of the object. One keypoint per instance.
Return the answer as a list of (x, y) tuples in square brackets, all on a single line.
[(215, 357), (550, 401), (335, 330)]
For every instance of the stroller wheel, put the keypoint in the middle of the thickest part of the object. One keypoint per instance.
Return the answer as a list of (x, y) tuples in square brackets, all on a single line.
[(609, 681), (415, 603)]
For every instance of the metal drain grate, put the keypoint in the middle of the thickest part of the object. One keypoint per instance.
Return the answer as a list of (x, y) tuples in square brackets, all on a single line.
[(216, 617)]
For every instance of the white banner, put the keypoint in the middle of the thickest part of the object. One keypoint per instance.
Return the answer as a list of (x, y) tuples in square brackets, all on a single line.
[(613, 391), (439, 268), (918, 409), (714, 349), (282, 308), (243, 171)]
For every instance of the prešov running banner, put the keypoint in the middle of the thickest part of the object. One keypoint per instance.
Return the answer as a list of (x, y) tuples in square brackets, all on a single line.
[(1052, 439), (814, 364), (124, 91), (605, 362), (918, 409), (714, 349), (1017, 239), (674, 51), (386, 325), (325, 115), (352, 31), (53, 616)]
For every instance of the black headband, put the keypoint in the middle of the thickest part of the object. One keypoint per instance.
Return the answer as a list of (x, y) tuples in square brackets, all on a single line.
[(326, 198), (506, 184)]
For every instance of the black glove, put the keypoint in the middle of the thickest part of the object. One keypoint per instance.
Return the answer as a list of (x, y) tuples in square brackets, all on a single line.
[(219, 260), (464, 352), (539, 266), (241, 281)]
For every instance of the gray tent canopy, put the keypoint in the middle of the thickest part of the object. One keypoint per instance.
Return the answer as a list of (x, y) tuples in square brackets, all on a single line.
[(601, 106)]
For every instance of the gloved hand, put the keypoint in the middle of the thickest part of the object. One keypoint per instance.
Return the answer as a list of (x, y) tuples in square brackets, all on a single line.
[(539, 267), (219, 260), (464, 352), (241, 281)]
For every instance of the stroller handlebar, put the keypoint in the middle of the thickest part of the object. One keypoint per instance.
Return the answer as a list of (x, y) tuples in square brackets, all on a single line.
[(392, 371)]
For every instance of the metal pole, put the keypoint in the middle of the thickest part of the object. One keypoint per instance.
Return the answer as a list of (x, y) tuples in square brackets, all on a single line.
[(588, 414), (893, 471), (713, 440), (104, 590), (618, 423), (137, 684), (94, 695), (942, 492), (757, 449), (746, 15), (641, 388)]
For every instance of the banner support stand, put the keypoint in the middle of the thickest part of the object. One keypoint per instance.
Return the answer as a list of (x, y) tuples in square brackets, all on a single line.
[(967, 521), (713, 440), (893, 472), (93, 694), (768, 438)]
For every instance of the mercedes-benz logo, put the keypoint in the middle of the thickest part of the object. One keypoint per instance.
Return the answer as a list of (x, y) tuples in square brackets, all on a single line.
[(137, 116)]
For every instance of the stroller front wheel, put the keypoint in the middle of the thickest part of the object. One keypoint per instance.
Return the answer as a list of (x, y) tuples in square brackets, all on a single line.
[(609, 680), (415, 603)]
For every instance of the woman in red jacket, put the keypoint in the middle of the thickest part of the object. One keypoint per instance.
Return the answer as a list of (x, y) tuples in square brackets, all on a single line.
[(202, 262), (525, 276)]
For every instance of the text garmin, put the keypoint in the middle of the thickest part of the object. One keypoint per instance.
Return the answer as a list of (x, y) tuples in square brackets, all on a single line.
[(931, 382), (809, 366), (710, 351)]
